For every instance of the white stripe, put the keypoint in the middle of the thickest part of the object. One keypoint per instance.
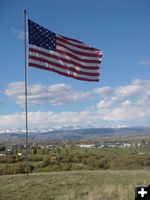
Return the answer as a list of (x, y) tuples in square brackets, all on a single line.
[(79, 49), (67, 72), (77, 55), (74, 42), (63, 56), (64, 63)]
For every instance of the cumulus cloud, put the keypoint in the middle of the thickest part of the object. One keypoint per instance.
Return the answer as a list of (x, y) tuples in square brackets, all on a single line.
[(54, 120), (104, 91), (57, 94), (116, 106), (125, 112), (125, 102), (103, 104)]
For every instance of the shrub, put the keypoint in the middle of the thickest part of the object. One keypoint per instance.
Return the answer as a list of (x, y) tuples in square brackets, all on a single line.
[(21, 168), (36, 158), (103, 164), (46, 162), (68, 167), (7, 170), (8, 159), (35, 151)]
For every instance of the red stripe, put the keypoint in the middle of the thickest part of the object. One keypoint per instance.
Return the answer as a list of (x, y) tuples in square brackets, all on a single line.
[(62, 66), (67, 54), (77, 58), (62, 73), (63, 59), (71, 39), (81, 47), (77, 52)]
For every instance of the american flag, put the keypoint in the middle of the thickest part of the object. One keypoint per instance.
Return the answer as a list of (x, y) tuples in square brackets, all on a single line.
[(63, 55)]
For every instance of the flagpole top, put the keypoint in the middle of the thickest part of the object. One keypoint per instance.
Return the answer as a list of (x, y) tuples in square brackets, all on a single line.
[(25, 12)]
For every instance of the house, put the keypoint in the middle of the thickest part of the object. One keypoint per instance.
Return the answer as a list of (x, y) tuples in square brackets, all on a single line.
[(19, 154), (9, 150), (2, 154), (86, 146), (139, 144), (126, 145)]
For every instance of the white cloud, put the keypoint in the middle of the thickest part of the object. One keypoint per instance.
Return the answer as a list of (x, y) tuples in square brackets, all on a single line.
[(127, 91), (57, 94), (125, 102), (54, 120), (145, 62), (118, 106), (104, 91), (125, 112), (104, 104), (18, 33)]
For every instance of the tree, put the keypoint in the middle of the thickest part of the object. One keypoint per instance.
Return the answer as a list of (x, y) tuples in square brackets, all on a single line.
[(35, 151)]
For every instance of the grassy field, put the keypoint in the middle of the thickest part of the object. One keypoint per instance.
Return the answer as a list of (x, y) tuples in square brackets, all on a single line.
[(75, 185)]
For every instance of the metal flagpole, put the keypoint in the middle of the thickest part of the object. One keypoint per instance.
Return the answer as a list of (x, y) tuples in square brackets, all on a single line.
[(26, 99)]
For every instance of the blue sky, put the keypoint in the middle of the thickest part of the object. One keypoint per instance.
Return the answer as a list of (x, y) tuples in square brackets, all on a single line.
[(121, 98)]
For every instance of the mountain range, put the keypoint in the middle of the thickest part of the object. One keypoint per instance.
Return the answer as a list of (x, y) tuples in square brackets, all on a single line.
[(77, 134)]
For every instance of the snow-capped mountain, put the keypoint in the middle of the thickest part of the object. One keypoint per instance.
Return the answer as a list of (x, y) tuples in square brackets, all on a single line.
[(71, 133)]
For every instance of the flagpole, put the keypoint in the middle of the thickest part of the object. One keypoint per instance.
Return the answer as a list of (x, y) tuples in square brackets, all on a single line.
[(26, 99)]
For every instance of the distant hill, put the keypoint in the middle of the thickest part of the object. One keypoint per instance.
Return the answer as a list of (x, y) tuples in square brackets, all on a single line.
[(77, 134)]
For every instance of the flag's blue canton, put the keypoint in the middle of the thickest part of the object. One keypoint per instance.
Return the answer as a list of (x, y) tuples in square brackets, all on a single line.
[(41, 37)]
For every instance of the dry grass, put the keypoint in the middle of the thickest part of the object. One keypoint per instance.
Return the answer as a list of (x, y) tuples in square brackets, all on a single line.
[(82, 185)]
